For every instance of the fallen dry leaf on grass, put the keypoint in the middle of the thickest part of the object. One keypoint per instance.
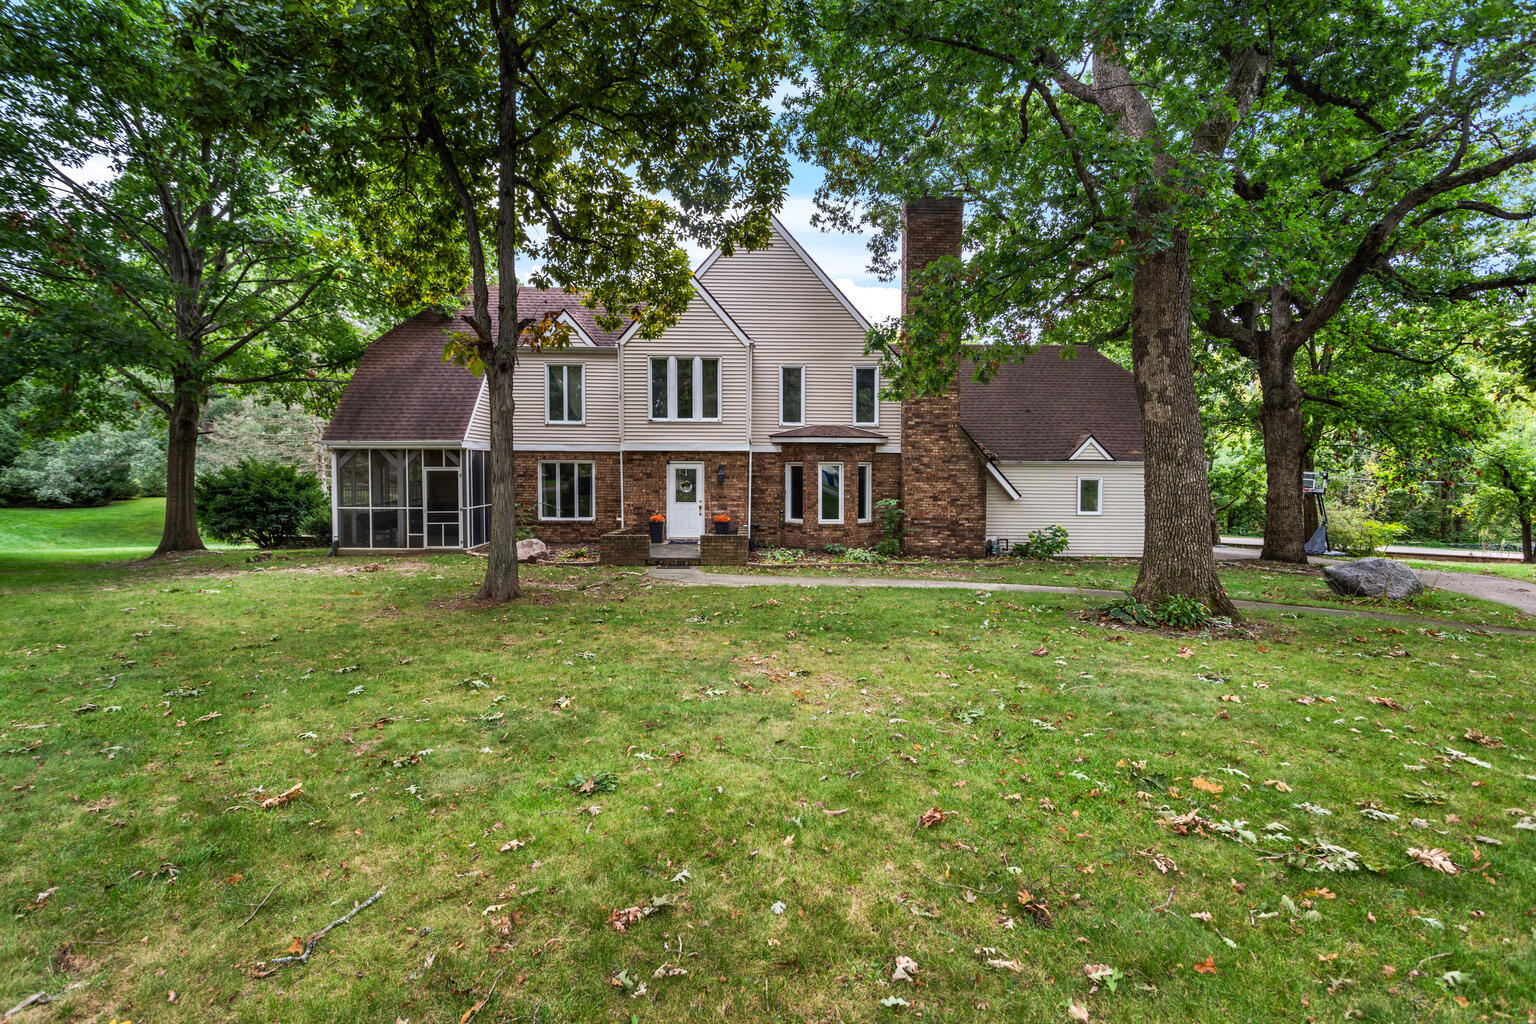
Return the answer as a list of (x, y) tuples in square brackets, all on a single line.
[(1077, 1011), (1280, 787), (282, 798), (1473, 736), (1386, 702), (931, 817), (621, 919), (1205, 785), (1435, 858), (906, 967), (1206, 966)]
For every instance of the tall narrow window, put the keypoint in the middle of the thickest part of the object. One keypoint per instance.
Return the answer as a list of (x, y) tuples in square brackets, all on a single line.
[(866, 492), (866, 396), (831, 476), (685, 389), (565, 393), (1089, 496), (565, 490), (794, 492), (791, 396)]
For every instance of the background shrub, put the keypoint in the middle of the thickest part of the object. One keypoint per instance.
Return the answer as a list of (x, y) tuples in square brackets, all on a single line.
[(1042, 544), (259, 502), (1355, 534), (91, 469)]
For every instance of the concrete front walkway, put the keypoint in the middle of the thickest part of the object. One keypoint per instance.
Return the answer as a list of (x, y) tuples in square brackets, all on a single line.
[(699, 578)]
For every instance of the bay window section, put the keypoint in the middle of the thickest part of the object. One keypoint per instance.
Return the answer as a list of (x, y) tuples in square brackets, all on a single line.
[(794, 492), (685, 388), (565, 490), (866, 492), (565, 400), (831, 490)]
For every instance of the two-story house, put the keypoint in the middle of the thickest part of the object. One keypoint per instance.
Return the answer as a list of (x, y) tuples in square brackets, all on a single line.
[(759, 404)]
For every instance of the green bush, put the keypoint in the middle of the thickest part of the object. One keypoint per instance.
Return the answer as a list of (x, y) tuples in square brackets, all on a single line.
[(835, 549), (1358, 536), (90, 469), (259, 502), (317, 526), (891, 515), (1178, 612), (864, 555), (1042, 544), (782, 556)]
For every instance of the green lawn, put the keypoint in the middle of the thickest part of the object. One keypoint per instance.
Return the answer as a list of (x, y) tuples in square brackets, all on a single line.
[(1244, 580), (772, 754), (122, 530)]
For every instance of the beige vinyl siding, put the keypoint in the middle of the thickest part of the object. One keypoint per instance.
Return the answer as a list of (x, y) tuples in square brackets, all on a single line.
[(1049, 496), (600, 387), (1090, 453), (793, 320), (698, 332)]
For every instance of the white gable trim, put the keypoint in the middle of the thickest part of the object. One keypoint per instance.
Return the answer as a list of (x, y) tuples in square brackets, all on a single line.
[(715, 307), (576, 328), (1003, 481), (821, 275), (1104, 456), (482, 401)]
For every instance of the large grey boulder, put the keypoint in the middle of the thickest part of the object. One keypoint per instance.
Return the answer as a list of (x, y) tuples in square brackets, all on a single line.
[(531, 550), (1373, 577)]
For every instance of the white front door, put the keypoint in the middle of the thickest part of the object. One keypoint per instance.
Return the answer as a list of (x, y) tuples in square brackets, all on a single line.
[(685, 500)]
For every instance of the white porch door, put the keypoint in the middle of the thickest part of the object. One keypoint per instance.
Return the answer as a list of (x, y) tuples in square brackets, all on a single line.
[(685, 500)]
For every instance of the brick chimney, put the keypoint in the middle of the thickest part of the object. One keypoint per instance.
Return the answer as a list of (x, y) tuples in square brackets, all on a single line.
[(943, 481)]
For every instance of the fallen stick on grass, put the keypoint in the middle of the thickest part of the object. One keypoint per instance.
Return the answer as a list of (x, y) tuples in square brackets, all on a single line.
[(35, 999), (267, 967)]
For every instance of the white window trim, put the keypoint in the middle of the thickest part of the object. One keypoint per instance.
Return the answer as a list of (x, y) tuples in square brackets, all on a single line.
[(842, 490), (673, 363), (866, 486), (566, 367), (1098, 480), (787, 467), (782, 421), (561, 462), (856, 421)]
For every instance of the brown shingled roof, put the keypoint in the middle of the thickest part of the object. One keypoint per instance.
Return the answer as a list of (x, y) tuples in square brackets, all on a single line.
[(403, 391), (1042, 408)]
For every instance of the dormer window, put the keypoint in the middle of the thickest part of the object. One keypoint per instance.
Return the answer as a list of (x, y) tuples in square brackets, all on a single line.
[(685, 388)]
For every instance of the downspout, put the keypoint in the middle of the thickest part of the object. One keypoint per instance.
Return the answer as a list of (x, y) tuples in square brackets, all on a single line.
[(335, 508), (751, 397), (620, 357)]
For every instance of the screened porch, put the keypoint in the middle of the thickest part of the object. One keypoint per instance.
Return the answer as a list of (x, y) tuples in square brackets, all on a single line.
[(405, 498)]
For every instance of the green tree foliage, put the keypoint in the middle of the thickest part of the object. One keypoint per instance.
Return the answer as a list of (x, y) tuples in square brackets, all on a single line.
[(1080, 138), (259, 502), (1505, 490), (581, 141), (149, 237)]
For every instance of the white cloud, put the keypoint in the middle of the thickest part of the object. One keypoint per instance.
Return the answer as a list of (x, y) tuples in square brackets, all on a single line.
[(877, 302)]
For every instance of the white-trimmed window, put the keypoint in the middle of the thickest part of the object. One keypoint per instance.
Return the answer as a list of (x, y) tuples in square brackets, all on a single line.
[(829, 490), (866, 492), (565, 400), (791, 396), (794, 492), (1090, 496), (685, 388), (866, 396), (565, 490)]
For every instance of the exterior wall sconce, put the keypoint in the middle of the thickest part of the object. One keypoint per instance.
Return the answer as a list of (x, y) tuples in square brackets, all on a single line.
[(720, 474)]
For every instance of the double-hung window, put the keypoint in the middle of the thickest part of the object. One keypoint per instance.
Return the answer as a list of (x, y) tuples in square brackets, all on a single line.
[(866, 396), (565, 490), (794, 492), (565, 402), (830, 492), (684, 388), (866, 492), (1090, 496), (791, 396)]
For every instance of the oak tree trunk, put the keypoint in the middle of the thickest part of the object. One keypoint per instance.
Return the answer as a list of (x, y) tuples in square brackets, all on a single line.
[(180, 531), (1527, 555), (1285, 447), (501, 582), (1177, 556)]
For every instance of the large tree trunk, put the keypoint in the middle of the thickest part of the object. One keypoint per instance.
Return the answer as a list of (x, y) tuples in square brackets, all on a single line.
[(1176, 556), (180, 532), (501, 583), (1285, 446), (1527, 555)]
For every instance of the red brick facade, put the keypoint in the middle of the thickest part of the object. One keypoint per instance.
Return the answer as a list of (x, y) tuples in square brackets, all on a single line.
[(645, 485), (768, 495), (605, 497)]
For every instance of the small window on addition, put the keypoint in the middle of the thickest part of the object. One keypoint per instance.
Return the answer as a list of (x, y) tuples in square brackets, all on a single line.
[(1088, 495)]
